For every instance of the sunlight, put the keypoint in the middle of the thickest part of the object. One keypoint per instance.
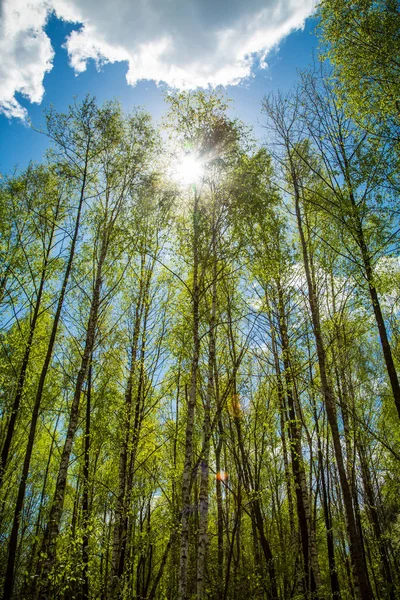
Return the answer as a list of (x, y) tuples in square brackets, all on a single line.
[(188, 170)]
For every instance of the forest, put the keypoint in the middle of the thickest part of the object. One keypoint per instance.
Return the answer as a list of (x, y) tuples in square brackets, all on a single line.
[(200, 341)]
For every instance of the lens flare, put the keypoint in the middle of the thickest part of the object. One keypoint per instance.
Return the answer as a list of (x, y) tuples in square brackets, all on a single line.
[(188, 170)]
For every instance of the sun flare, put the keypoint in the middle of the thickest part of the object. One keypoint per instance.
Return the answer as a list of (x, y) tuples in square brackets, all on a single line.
[(188, 170)]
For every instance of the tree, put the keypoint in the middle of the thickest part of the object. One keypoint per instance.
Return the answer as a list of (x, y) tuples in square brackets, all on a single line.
[(283, 121), (204, 408), (352, 177), (362, 42)]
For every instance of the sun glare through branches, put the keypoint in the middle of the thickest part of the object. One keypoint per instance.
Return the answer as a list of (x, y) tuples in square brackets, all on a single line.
[(187, 170)]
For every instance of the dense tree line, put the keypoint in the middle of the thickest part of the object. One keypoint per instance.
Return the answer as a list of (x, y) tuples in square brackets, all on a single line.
[(199, 374)]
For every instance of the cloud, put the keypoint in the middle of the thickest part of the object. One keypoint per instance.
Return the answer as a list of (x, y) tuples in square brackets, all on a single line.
[(26, 54), (184, 43)]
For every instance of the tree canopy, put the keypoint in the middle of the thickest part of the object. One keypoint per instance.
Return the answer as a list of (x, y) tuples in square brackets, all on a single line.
[(200, 342)]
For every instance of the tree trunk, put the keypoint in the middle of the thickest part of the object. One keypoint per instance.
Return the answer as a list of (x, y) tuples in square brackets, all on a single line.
[(369, 274), (310, 557), (360, 572), (38, 399), (85, 496), (333, 576), (121, 507), (191, 406), (210, 393), (383, 336), (24, 365), (374, 519), (53, 525), (256, 514)]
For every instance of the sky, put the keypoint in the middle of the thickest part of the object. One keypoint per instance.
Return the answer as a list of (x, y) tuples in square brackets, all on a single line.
[(135, 51)]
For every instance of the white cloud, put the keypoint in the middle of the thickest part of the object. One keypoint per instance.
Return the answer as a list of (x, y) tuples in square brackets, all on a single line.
[(26, 54), (184, 43)]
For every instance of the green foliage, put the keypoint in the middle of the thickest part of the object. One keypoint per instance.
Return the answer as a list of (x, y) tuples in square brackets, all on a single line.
[(361, 39), (205, 366)]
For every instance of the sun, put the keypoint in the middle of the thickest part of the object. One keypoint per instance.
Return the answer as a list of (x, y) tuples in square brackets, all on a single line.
[(188, 170)]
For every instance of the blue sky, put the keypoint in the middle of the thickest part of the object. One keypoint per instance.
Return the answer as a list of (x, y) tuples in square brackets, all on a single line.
[(20, 143)]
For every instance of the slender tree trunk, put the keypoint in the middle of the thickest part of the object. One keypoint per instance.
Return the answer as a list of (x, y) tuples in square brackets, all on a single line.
[(383, 336), (121, 508), (29, 587), (175, 504), (310, 557), (203, 509), (160, 571), (137, 424), (3, 282), (374, 519), (256, 514), (38, 399), (210, 394), (333, 576), (25, 360), (220, 513), (283, 418), (85, 495), (234, 538), (191, 406), (361, 575), (369, 274), (53, 525), (219, 482)]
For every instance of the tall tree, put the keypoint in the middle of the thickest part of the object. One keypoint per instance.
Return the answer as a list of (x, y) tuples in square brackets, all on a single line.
[(361, 39)]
